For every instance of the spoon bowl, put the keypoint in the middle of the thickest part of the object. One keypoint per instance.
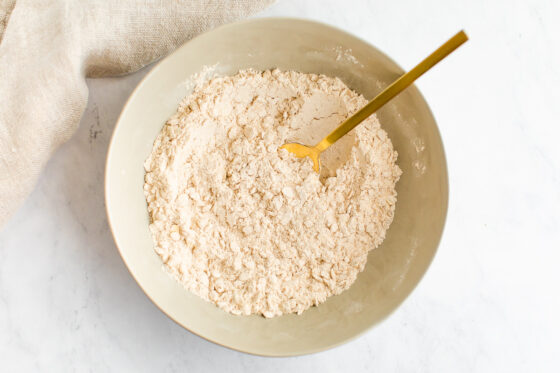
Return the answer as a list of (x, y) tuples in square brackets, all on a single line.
[(302, 151)]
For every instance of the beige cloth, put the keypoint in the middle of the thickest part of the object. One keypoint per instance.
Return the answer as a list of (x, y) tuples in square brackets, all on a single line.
[(48, 47)]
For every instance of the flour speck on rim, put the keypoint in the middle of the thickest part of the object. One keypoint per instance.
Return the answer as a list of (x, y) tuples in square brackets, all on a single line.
[(248, 226)]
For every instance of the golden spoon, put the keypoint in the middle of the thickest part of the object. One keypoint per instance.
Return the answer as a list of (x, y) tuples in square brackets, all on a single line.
[(313, 152)]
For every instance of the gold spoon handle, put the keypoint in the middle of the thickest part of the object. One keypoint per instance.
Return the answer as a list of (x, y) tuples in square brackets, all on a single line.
[(394, 89)]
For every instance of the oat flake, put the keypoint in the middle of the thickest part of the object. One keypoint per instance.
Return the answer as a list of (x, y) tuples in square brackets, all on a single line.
[(251, 228)]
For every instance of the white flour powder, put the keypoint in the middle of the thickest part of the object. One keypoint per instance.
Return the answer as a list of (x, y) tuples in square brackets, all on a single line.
[(251, 228)]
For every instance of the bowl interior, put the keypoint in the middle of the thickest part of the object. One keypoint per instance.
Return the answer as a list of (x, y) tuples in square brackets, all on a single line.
[(392, 270)]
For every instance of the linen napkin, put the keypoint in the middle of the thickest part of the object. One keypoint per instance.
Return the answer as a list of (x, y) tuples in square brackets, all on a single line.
[(49, 47)]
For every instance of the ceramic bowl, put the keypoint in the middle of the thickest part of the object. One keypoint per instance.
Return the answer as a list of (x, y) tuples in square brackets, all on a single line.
[(392, 270)]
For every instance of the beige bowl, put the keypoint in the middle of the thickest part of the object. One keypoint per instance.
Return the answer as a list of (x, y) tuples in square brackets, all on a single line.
[(392, 270)]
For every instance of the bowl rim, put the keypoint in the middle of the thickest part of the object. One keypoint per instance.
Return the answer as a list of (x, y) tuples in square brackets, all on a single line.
[(140, 84)]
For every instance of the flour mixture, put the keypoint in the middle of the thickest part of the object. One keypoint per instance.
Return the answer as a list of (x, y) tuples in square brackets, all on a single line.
[(250, 227)]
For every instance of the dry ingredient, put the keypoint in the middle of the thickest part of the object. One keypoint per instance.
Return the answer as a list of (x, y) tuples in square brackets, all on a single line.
[(251, 228)]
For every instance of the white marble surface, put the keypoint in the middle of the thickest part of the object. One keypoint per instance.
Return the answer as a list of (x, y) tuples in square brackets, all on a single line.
[(491, 300)]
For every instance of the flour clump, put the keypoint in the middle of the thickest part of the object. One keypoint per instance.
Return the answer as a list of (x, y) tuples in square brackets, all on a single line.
[(248, 226)]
